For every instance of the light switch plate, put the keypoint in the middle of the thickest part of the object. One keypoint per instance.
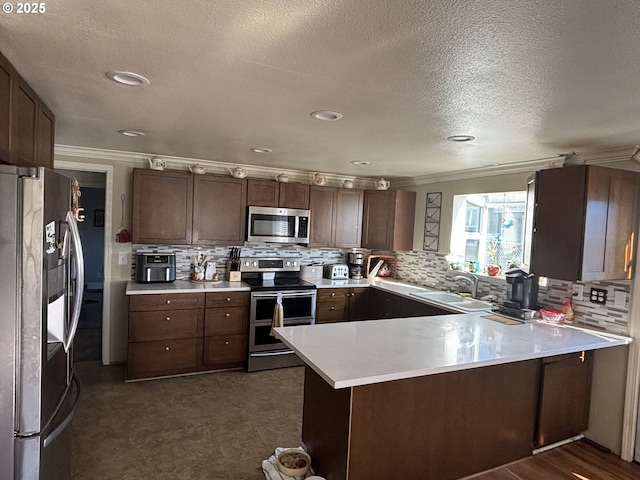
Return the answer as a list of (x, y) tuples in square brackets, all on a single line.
[(577, 292), (620, 299), (123, 258)]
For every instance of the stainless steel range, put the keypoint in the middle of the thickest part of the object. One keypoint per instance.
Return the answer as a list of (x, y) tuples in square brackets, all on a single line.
[(269, 277)]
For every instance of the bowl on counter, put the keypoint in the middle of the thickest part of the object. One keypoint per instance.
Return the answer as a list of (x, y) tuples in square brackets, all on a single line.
[(551, 316), (294, 462)]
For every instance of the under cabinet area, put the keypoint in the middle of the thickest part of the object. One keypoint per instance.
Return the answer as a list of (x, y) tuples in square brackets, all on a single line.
[(584, 223), (175, 334)]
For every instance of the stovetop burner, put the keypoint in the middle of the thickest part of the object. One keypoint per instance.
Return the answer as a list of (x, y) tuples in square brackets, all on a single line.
[(278, 284), (273, 274)]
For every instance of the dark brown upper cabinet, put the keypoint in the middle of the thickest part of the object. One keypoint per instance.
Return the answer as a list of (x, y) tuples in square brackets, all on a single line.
[(219, 212), (388, 219), (269, 193), (585, 223), (336, 217), (27, 126), (178, 208), (162, 207), (7, 75)]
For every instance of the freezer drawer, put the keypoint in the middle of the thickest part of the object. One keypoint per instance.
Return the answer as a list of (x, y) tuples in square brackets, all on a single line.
[(48, 456)]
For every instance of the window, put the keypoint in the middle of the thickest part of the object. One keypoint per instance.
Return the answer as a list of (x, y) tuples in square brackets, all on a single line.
[(488, 229)]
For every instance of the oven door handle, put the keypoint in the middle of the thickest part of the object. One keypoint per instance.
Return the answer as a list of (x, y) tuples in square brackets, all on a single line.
[(272, 354), (285, 294)]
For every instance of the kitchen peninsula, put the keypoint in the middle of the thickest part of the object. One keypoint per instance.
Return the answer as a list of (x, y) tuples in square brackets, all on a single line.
[(439, 397)]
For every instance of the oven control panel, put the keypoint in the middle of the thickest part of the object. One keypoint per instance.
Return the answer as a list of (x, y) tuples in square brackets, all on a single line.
[(291, 264)]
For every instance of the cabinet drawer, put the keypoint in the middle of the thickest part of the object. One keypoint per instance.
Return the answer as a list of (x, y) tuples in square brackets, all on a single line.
[(164, 357), (163, 302), (167, 324), (326, 312), (228, 299), (225, 351), (225, 321), (332, 295)]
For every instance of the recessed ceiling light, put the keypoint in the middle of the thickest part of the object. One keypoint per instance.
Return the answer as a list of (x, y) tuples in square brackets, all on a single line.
[(261, 150), (326, 115), (461, 138), (128, 78), (359, 162), (131, 133)]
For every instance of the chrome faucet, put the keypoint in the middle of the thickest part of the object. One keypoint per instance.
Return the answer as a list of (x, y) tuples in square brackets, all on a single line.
[(471, 279)]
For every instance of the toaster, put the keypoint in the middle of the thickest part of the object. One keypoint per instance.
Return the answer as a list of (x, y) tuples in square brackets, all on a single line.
[(336, 271), (156, 267)]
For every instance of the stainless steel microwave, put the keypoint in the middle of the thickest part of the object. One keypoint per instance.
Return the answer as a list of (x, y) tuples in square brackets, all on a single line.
[(280, 225)]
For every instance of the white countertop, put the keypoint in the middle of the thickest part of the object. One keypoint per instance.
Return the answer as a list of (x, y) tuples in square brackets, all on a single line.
[(184, 286), (348, 354)]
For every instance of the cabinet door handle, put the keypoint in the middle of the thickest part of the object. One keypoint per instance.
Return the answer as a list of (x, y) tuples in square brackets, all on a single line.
[(167, 318), (227, 315), (228, 299), (332, 308), (226, 342), (168, 302), (333, 294), (582, 356), (167, 348)]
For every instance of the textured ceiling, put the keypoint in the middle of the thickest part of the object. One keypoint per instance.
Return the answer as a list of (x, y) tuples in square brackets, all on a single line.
[(529, 79)]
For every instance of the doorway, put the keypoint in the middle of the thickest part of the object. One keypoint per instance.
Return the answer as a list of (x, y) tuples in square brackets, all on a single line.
[(97, 303)]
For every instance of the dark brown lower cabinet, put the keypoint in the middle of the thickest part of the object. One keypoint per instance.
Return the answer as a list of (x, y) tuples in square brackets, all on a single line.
[(175, 334), (389, 305), (565, 392)]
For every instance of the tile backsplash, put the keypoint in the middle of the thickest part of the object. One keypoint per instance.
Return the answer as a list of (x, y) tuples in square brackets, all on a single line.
[(423, 268), (431, 269), (220, 255)]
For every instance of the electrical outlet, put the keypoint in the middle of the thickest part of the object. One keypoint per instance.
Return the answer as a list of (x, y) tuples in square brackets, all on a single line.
[(577, 292), (598, 295), (123, 258)]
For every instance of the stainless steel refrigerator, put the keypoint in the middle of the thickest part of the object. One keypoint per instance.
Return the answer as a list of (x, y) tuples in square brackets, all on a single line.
[(41, 286)]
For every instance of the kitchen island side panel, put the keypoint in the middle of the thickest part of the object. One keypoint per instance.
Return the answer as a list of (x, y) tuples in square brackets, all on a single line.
[(444, 426), (325, 425), (435, 427)]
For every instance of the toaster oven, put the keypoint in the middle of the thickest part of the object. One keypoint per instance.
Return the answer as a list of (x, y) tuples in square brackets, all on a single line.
[(155, 267)]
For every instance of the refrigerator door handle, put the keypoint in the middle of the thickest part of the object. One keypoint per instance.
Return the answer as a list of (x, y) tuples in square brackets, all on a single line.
[(65, 423), (78, 259)]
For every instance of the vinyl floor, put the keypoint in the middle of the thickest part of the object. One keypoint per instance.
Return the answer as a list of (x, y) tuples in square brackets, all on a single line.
[(213, 426), (221, 426)]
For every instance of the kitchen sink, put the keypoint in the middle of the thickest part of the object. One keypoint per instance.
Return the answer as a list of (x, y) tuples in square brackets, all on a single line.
[(456, 301), (472, 304), (443, 297)]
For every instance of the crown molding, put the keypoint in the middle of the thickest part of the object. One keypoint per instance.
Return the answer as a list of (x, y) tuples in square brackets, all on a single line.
[(527, 166), (141, 160)]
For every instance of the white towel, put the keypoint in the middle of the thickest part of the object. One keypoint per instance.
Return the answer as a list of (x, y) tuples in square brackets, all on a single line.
[(270, 467)]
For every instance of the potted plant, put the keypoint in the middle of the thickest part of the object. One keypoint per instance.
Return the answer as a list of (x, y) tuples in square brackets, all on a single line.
[(493, 269)]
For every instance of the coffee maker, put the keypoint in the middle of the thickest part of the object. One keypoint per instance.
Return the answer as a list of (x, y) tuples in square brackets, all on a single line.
[(355, 259), (522, 294)]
